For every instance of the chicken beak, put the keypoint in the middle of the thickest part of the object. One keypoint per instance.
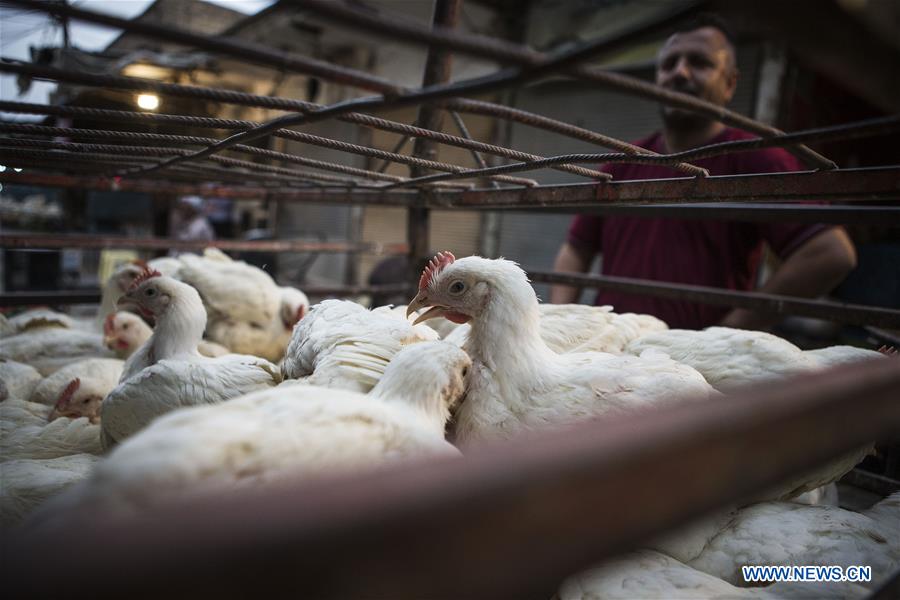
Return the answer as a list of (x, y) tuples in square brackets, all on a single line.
[(416, 303), (432, 313), (108, 341), (127, 303), (420, 301)]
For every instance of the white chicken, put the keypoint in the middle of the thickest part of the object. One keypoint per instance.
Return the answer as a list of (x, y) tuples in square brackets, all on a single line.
[(343, 345), (269, 342), (15, 413), (731, 358), (48, 350), (125, 332), (26, 483), (567, 328), (100, 375), (232, 292), (38, 318), (786, 533), (17, 380), (518, 383), (284, 433), (70, 427), (650, 575), (167, 372), (43, 318)]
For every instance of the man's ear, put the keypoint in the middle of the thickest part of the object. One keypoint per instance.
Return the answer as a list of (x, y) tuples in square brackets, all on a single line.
[(732, 83)]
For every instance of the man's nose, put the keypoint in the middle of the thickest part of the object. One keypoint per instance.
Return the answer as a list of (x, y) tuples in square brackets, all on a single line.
[(681, 69)]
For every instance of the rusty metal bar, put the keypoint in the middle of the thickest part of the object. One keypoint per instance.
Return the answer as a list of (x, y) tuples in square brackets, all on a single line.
[(511, 520), (64, 297), (464, 131), (867, 128), (73, 240), (505, 78), (162, 151), (495, 49), (438, 66), (293, 135), (480, 107), (284, 61), (853, 314), (121, 153), (877, 184), (132, 83)]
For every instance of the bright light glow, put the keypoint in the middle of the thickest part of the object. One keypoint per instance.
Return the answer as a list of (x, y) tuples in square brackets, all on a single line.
[(17, 169), (2, 168), (148, 101)]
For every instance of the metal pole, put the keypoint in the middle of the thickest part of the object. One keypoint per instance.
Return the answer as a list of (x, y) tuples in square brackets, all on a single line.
[(437, 70)]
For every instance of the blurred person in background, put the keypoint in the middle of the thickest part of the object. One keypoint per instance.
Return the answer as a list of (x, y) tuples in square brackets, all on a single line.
[(699, 59), (189, 222)]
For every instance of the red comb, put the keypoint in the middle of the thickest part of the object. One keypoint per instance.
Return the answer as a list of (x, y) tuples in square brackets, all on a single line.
[(146, 274), (435, 266), (108, 323), (888, 350), (67, 393)]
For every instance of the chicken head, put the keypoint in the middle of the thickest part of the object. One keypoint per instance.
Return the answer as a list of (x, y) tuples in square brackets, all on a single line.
[(125, 332), (457, 290), (77, 401)]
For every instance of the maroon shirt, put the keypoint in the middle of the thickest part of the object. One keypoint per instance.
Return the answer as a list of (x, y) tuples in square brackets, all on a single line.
[(699, 252)]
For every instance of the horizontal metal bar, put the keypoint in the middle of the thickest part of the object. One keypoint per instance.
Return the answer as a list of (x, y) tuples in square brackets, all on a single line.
[(844, 185), (866, 128), (208, 190), (513, 519), (753, 212), (853, 314), (67, 132), (54, 298), (75, 240), (64, 297), (871, 482)]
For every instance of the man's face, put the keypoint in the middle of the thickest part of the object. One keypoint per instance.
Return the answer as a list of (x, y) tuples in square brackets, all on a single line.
[(699, 63)]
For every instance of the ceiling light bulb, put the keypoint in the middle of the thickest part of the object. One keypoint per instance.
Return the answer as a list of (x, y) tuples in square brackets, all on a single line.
[(148, 101)]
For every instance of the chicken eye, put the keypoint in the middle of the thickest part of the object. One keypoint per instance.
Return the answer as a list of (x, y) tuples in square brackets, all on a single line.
[(125, 326), (457, 287), (150, 292)]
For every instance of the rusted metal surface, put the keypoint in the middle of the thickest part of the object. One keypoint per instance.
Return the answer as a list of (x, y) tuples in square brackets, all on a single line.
[(73, 240), (880, 184), (508, 521), (853, 314)]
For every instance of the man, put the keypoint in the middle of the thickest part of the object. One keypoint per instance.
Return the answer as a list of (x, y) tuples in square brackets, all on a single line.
[(700, 60), (189, 222)]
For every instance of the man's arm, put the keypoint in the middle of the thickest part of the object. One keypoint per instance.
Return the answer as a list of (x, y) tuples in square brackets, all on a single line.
[(814, 269), (571, 260)]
